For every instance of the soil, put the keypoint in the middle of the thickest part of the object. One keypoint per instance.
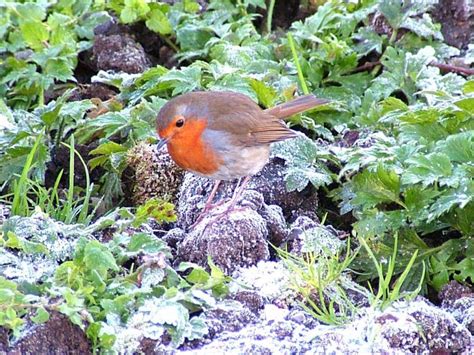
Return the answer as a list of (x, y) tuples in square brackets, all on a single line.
[(60, 161), (57, 336), (457, 21)]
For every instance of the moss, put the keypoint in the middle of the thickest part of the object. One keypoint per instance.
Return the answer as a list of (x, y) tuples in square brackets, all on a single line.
[(154, 174)]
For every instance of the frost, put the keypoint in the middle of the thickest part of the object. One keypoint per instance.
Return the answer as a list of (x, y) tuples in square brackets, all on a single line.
[(46, 241), (270, 279), (320, 241)]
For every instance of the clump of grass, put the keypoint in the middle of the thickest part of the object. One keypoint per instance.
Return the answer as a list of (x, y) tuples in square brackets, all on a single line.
[(320, 280), (388, 290), (323, 282), (30, 195)]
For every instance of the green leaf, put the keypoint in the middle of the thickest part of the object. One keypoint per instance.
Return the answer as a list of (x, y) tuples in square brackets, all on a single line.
[(98, 257), (468, 87), (392, 10), (374, 187), (35, 34), (6, 295), (266, 95), (183, 80), (31, 11), (160, 210), (198, 276), (108, 148), (451, 198), (134, 10), (41, 316), (427, 169), (158, 22), (144, 242), (459, 147)]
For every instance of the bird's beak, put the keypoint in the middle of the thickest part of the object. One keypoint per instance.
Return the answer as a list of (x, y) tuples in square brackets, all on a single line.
[(162, 142)]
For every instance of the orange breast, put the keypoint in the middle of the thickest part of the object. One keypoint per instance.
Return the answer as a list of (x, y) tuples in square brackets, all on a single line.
[(190, 152)]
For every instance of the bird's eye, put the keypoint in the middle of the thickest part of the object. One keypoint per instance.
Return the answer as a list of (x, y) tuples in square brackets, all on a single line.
[(180, 123)]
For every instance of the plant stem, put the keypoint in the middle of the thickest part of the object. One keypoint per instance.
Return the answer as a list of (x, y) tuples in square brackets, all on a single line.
[(297, 63), (394, 35), (271, 6), (170, 43)]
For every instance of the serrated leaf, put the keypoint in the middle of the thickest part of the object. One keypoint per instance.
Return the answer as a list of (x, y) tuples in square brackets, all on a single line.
[(184, 80), (134, 10), (466, 104), (97, 257), (459, 147), (35, 34), (41, 316), (373, 187), (451, 198), (266, 95), (427, 169), (158, 22)]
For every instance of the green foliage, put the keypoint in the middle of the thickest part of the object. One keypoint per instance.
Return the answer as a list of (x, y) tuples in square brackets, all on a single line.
[(14, 306), (30, 196), (320, 279), (102, 287), (306, 163), (394, 149), (41, 42), (422, 177), (387, 290), (161, 211)]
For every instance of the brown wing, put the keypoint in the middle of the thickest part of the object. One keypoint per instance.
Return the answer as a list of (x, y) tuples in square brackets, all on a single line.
[(239, 115)]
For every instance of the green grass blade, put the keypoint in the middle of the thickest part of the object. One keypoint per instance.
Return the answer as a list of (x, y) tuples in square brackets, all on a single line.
[(301, 79)]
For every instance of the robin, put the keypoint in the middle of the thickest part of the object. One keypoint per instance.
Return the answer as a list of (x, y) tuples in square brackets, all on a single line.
[(225, 135)]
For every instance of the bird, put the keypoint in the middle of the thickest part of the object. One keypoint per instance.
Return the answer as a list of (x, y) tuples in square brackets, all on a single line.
[(225, 135)]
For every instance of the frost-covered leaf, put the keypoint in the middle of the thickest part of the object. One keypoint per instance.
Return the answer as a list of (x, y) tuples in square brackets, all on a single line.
[(427, 169), (302, 158), (374, 187), (98, 257), (452, 198)]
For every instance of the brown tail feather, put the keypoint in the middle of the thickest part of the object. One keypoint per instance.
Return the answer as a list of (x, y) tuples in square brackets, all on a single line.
[(300, 104)]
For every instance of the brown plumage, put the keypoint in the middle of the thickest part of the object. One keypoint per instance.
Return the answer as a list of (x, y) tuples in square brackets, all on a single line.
[(225, 135)]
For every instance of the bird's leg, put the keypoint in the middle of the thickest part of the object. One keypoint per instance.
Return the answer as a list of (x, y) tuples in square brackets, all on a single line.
[(208, 206), (239, 189)]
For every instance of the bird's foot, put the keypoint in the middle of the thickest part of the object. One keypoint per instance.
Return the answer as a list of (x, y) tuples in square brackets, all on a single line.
[(224, 214), (207, 208)]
